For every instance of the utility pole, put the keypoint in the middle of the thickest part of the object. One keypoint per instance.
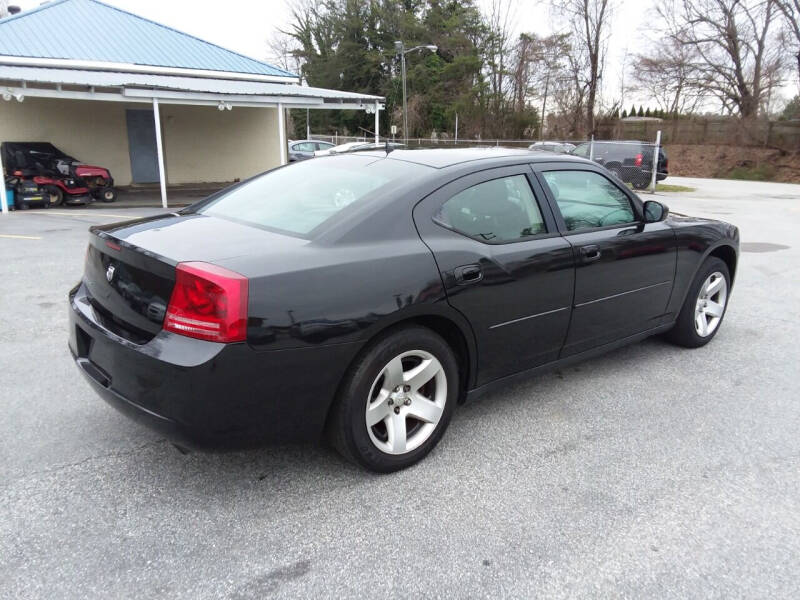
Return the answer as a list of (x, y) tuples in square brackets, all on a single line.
[(400, 48)]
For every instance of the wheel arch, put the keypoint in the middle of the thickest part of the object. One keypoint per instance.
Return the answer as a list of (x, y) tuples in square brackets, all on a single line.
[(442, 320), (451, 326), (727, 254)]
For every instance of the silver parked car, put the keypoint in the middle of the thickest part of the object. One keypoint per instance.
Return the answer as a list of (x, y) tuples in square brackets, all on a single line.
[(301, 150)]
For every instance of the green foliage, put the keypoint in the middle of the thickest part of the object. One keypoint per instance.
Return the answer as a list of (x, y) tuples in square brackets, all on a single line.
[(792, 110), (647, 112), (641, 111), (349, 45), (624, 113)]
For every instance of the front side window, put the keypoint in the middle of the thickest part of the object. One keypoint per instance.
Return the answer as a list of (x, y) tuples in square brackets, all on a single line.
[(500, 210), (304, 147), (588, 200)]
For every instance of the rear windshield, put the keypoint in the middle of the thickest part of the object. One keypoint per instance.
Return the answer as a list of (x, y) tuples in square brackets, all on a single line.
[(302, 196)]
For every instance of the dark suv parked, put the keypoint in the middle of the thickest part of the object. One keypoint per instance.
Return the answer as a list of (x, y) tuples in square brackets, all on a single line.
[(631, 162)]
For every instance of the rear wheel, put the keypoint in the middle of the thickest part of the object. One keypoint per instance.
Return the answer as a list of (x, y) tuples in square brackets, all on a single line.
[(641, 182), (54, 195), (396, 400), (616, 172), (704, 307)]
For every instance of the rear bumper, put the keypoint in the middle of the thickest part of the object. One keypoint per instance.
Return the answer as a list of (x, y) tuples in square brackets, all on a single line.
[(632, 173), (207, 395)]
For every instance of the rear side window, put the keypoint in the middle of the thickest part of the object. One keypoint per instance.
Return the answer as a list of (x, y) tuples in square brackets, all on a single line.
[(587, 200), (500, 210), (304, 147), (302, 196)]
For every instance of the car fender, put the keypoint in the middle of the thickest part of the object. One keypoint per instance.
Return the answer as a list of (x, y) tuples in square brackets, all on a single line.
[(426, 314), (732, 243)]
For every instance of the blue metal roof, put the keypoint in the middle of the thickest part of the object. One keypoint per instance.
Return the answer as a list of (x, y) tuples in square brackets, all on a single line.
[(94, 31)]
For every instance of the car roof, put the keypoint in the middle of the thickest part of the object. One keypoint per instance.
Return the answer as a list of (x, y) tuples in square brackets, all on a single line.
[(443, 158)]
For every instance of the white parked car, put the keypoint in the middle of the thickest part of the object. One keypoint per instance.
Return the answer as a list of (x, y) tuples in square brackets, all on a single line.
[(354, 146)]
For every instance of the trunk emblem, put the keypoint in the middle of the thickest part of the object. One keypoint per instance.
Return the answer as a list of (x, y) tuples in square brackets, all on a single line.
[(110, 273)]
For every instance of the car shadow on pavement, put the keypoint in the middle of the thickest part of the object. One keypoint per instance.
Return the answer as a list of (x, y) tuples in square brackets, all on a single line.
[(528, 404)]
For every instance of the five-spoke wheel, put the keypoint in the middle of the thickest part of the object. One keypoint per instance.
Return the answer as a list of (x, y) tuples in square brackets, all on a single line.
[(396, 400), (406, 402), (710, 304), (704, 307)]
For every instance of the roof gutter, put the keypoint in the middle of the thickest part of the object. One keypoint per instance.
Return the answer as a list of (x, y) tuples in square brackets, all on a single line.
[(91, 65)]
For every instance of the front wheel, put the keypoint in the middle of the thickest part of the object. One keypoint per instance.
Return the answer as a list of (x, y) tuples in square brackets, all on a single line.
[(641, 183), (396, 400), (55, 195), (704, 307), (108, 194)]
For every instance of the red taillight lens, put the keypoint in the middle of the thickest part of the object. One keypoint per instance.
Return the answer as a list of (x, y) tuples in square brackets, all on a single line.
[(208, 303), (638, 160)]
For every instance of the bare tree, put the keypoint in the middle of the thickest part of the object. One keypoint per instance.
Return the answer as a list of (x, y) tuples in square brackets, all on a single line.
[(737, 55), (589, 20), (497, 49), (282, 51), (668, 75), (790, 9)]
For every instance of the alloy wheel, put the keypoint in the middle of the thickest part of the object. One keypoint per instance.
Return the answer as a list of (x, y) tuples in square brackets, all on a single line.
[(406, 402), (710, 305)]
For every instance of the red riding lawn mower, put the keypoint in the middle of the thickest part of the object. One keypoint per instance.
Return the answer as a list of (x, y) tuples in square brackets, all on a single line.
[(60, 177)]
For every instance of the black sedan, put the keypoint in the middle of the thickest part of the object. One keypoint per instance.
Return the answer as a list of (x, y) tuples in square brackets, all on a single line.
[(366, 295)]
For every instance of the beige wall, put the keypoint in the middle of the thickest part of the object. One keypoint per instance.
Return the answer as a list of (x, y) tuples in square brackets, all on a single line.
[(201, 143)]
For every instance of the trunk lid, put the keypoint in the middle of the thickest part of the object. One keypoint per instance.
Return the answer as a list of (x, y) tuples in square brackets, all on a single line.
[(130, 267)]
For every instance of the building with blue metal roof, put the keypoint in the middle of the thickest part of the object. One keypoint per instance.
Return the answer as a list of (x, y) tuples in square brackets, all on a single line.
[(147, 101)]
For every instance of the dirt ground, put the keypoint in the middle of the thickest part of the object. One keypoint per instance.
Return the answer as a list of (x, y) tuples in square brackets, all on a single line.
[(733, 162)]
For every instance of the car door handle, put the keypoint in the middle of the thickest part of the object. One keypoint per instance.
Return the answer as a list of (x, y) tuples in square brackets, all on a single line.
[(467, 274), (590, 253)]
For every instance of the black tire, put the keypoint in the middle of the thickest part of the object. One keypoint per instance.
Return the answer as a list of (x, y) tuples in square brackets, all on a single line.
[(641, 182), (347, 428), (107, 194), (55, 194), (684, 333), (616, 172)]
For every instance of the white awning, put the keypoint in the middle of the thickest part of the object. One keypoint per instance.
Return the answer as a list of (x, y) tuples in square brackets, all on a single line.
[(132, 87)]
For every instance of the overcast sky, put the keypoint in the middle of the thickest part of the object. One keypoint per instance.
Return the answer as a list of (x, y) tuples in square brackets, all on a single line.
[(245, 26)]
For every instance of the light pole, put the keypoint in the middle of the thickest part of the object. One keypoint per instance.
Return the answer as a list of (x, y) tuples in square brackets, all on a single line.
[(400, 47)]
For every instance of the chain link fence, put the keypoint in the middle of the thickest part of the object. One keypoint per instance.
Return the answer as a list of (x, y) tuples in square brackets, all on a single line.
[(639, 163)]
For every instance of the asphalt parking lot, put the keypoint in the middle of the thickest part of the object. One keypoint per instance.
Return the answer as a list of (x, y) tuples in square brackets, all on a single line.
[(652, 472)]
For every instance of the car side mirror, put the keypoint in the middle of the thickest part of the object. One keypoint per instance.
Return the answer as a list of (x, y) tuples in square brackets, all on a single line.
[(654, 211)]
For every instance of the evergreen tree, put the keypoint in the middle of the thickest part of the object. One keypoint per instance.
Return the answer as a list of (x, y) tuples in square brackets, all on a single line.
[(624, 113), (647, 112), (641, 111)]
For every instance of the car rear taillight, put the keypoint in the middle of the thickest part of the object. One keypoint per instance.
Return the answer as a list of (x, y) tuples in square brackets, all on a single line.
[(638, 161), (666, 164), (209, 303)]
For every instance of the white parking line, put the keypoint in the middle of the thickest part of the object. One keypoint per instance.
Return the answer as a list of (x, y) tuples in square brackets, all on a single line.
[(12, 236), (77, 214)]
